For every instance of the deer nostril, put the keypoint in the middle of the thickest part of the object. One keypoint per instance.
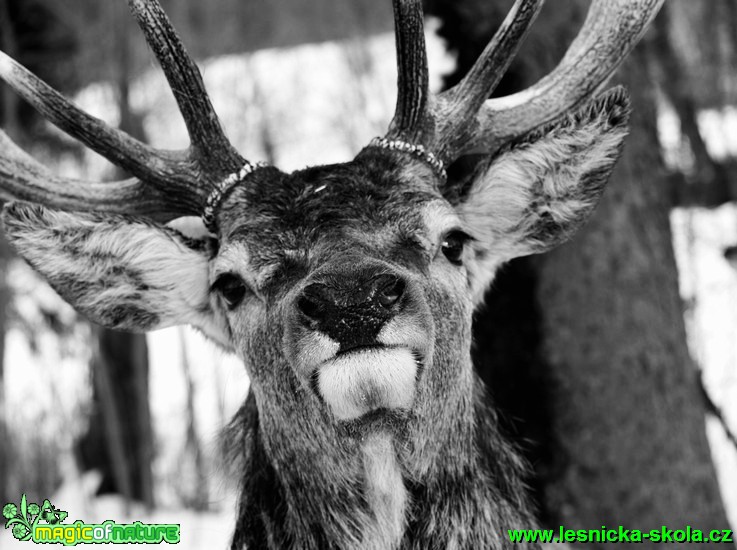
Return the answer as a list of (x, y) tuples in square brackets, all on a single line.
[(309, 306), (390, 293)]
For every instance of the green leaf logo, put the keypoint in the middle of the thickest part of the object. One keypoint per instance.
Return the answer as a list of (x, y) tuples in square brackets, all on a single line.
[(10, 510), (23, 519)]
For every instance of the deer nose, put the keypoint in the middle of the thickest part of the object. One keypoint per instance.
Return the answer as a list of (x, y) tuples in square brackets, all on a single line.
[(350, 310)]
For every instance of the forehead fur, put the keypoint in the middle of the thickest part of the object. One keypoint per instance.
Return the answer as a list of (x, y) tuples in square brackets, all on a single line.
[(276, 213)]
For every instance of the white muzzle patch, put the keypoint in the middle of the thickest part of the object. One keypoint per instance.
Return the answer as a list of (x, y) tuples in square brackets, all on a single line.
[(360, 382)]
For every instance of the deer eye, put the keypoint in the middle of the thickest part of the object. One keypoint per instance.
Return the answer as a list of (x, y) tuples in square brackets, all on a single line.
[(232, 288), (452, 246)]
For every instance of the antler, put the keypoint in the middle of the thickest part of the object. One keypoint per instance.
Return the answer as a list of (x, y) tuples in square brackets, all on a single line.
[(167, 184), (462, 120)]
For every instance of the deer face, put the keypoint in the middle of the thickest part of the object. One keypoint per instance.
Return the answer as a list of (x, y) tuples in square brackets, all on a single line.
[(342, 275), (347, 289)]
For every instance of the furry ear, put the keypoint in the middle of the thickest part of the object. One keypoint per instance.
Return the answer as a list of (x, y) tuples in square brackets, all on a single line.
[(121, 272), (536, 193)]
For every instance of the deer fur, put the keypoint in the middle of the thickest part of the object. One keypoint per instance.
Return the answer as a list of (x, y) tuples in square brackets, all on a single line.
[(391, 447)]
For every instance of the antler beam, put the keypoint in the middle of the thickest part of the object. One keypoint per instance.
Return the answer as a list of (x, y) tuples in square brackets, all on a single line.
[(413, 119), (463, 120), (461, 104), (611, 30), (117, 146), (25, 179), (167, 184)]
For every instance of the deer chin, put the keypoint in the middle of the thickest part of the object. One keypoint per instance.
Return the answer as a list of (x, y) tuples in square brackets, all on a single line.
[(359, 382)]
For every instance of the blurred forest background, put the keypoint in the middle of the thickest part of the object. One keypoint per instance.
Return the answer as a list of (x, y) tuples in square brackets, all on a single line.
[(613, 359)]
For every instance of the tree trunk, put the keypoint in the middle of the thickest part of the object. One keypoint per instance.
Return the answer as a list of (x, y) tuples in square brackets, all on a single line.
[(626, 408), (119, 442), (197, 497), (708, 182)]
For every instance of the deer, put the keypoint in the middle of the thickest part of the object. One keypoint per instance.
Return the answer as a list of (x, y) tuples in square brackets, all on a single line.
[(347, 290)]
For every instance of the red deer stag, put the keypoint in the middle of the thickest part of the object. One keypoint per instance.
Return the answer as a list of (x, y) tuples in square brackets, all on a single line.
[(347, 289)]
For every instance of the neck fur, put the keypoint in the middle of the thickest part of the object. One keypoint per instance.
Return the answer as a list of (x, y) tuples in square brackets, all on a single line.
[(461, 487)]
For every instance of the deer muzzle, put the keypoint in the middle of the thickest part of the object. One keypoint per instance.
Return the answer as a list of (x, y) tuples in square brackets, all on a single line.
[(362, 337)]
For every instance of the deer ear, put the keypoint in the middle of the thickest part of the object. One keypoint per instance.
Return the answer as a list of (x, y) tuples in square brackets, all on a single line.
[(537, 193), (121, 272)]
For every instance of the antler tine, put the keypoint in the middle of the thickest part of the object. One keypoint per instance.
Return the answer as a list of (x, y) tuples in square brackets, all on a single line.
[(461, 103), (168, 184), (25, 179), (212, 146), (120, 148), (413, 119), (611, 30)]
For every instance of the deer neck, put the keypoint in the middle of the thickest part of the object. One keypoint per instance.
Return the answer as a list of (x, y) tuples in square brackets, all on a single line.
[(319, 489)]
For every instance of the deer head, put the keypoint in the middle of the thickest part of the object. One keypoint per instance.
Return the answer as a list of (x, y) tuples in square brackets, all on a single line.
[(347, 289)]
